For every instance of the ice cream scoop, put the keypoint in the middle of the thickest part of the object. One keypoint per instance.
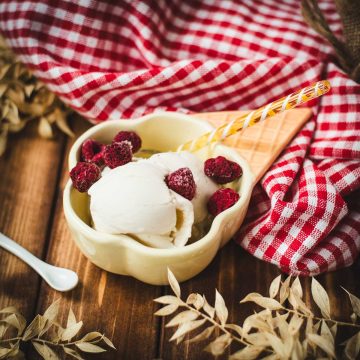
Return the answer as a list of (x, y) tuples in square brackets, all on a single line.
[(205, 187), (133, 199)]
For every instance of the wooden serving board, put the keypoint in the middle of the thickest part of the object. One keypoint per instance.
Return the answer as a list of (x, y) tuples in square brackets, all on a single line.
[(262, 143)]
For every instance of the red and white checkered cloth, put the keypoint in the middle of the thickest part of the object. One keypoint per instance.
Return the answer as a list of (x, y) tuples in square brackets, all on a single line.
[(114, 61)]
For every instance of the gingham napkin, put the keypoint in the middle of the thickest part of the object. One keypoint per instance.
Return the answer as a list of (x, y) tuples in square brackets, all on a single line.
[(114, 61)]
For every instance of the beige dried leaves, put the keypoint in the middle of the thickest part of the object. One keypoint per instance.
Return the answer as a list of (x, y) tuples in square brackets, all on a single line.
[(284, 328), (24, 98), (48, 337)]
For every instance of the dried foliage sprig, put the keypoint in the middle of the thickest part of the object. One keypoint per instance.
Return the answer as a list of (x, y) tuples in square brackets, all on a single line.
[(24, 98), (286, 328), (48, 337)]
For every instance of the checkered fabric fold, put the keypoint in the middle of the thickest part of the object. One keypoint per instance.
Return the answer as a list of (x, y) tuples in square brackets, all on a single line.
[(118, 61)]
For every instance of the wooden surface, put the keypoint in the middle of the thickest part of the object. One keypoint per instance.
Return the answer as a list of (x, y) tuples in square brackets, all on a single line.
[(32, 176)]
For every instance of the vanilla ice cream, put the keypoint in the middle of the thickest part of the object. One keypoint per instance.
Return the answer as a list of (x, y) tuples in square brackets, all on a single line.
[(205, 187), (134, 199)]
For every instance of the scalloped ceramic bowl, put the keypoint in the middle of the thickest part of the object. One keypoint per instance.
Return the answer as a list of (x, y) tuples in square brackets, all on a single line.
[(122, 254)]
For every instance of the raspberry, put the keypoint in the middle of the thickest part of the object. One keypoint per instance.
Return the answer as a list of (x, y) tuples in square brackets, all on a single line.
[(91, 151), (83, 175), (130, 136), (182, 182), (222, 170), (117, 154), (221, 200)]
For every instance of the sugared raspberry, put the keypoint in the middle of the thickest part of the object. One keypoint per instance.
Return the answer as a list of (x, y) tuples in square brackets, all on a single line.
[(117, 154), (91, 151), (182, 182), (221, 200), (84, 174), (130, 136), (222, 170)]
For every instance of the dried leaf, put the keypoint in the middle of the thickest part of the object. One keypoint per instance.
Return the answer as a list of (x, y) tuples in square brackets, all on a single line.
[(4, 352), (355, 303), (323, 343), (45, 351), (45, 129), (3, 329), (167, 310), (255, 321), (71, 331), (62, 123), (71, 320), (208, 308), (247, 353), (187, 327), (284, 290), (196, 300), (17, 321), (218, 346), (3, 140), (353, 318), (52, 311), (321, 298), (295, 324), (89, 348), (108, 342), (168, 299), (352, 348), (333, 330), (326, 332), (238, 329), (174, 283), (264, 302), (298, 304), (274, 286), (91, 336), (33, 329), (10, 310), (73, 353), (184, 316), (296, 287), (220, 308), (277, 345), (203, 335), (257, 339)]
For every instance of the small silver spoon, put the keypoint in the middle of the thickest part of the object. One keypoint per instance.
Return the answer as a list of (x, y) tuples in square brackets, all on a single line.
[(58, 278)]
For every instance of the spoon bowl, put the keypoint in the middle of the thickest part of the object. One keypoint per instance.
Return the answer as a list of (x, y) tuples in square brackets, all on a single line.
[(58, 278)]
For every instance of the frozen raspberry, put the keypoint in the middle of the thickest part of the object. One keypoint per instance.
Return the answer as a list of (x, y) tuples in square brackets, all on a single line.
[(84, 174), (221, 200), (91, 151), (130, 136), (117, 154), (222, 170), (182, 182)]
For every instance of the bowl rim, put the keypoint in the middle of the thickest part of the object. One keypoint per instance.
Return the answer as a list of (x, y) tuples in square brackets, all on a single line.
[(247, 183)]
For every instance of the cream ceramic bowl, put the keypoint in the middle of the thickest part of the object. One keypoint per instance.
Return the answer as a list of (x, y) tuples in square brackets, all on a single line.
[(121, 254)]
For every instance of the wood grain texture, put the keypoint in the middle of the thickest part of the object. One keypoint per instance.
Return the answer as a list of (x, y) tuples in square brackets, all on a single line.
[(121, 307), (28, 175)]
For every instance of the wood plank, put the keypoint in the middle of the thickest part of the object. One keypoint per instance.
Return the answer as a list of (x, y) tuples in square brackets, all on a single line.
[(119, 306), (29, 172)]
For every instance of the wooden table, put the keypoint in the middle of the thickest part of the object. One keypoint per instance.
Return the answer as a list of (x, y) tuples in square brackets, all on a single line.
[(33, 173)]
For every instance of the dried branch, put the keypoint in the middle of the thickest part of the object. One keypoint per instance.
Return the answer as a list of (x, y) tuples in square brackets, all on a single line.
[(278, 331)]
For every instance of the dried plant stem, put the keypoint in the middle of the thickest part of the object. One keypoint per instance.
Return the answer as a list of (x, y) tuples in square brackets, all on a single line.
[(341, 323), (221, 327), (49, 342)]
